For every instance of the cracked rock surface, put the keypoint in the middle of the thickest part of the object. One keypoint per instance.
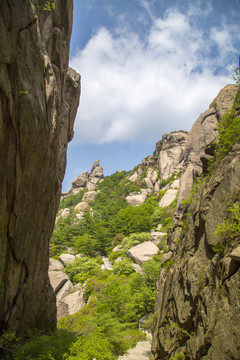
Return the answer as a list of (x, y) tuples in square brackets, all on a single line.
[(39, 97), (197, 306)]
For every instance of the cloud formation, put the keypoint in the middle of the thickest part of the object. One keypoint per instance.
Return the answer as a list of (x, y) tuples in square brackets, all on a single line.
[(136, 90)]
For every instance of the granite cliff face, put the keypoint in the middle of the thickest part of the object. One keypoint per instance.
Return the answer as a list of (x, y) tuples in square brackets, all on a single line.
[(197, 306), (199, 146), (170, 159), (39, 96)]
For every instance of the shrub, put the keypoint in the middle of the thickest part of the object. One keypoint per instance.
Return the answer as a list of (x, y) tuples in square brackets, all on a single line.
[(82, 268), (71, 200), (134, 239), (94, 345), (135, 219), (123, 267), (229, 229), (83, 244), (40, 346)]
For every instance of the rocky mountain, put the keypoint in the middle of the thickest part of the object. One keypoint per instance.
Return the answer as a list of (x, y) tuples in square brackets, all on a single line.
[(39, 96), (197, 307)]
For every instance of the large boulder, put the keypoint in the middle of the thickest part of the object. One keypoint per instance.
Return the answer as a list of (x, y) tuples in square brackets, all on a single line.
[(136, 199), (81, 180), (57, 279), (70, 304), (55, 265), (168, 197), (67, 258), (143, 252), (82, 206), (64, 290), (39, 97), (89, 196), (107, 264)]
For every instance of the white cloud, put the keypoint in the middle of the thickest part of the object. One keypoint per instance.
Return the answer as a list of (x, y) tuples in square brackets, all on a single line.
[(133, 90)]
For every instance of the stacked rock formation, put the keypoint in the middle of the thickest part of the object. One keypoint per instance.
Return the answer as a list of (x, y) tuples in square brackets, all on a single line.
[(39, 96), (70, 298), (86, 180)]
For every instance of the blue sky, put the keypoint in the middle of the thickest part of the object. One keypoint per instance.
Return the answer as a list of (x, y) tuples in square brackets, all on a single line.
[(148, 67)]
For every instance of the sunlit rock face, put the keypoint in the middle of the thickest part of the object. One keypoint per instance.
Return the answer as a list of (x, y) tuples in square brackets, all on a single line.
[(199, 146), (170, 159), (39, 97)]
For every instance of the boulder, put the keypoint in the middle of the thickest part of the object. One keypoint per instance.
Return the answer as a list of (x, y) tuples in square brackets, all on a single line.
[(64, 290), (55, 265), (157, 236), (97, 172), (137, 268), (64, 213), (154, 177), (57, 279), (149, 172), (89, 196), (148, 183), (82, 206), (133, 177), (116, 248), (168, 197), (136, 199), (107, 263), (81, 180), (156, 187), (175, 184), (143, 252), (66, 258), (235, 254), (70, 304), (79, 215), (94, 165)]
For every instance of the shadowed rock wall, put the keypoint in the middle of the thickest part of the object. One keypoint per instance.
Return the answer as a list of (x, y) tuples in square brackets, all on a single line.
[(39, 97), (197, 305)]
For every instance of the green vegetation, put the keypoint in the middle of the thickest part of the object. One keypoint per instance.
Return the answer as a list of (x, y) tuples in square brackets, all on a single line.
[(111, 217), (236, 75), (115, 299), (71, 200), (37, 345), (48, 6), (178, 356), (80, 270), (229, 230), (229, 132)]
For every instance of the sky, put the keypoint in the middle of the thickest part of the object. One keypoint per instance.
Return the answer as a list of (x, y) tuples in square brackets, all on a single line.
[(147, 67)]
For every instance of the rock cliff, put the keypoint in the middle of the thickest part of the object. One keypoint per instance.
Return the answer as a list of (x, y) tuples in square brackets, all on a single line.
[(199, 146), (39, 96), (197, 306)]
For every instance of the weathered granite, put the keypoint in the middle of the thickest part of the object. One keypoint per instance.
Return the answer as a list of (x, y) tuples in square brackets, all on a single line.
[(39, 96), (197, 306)]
